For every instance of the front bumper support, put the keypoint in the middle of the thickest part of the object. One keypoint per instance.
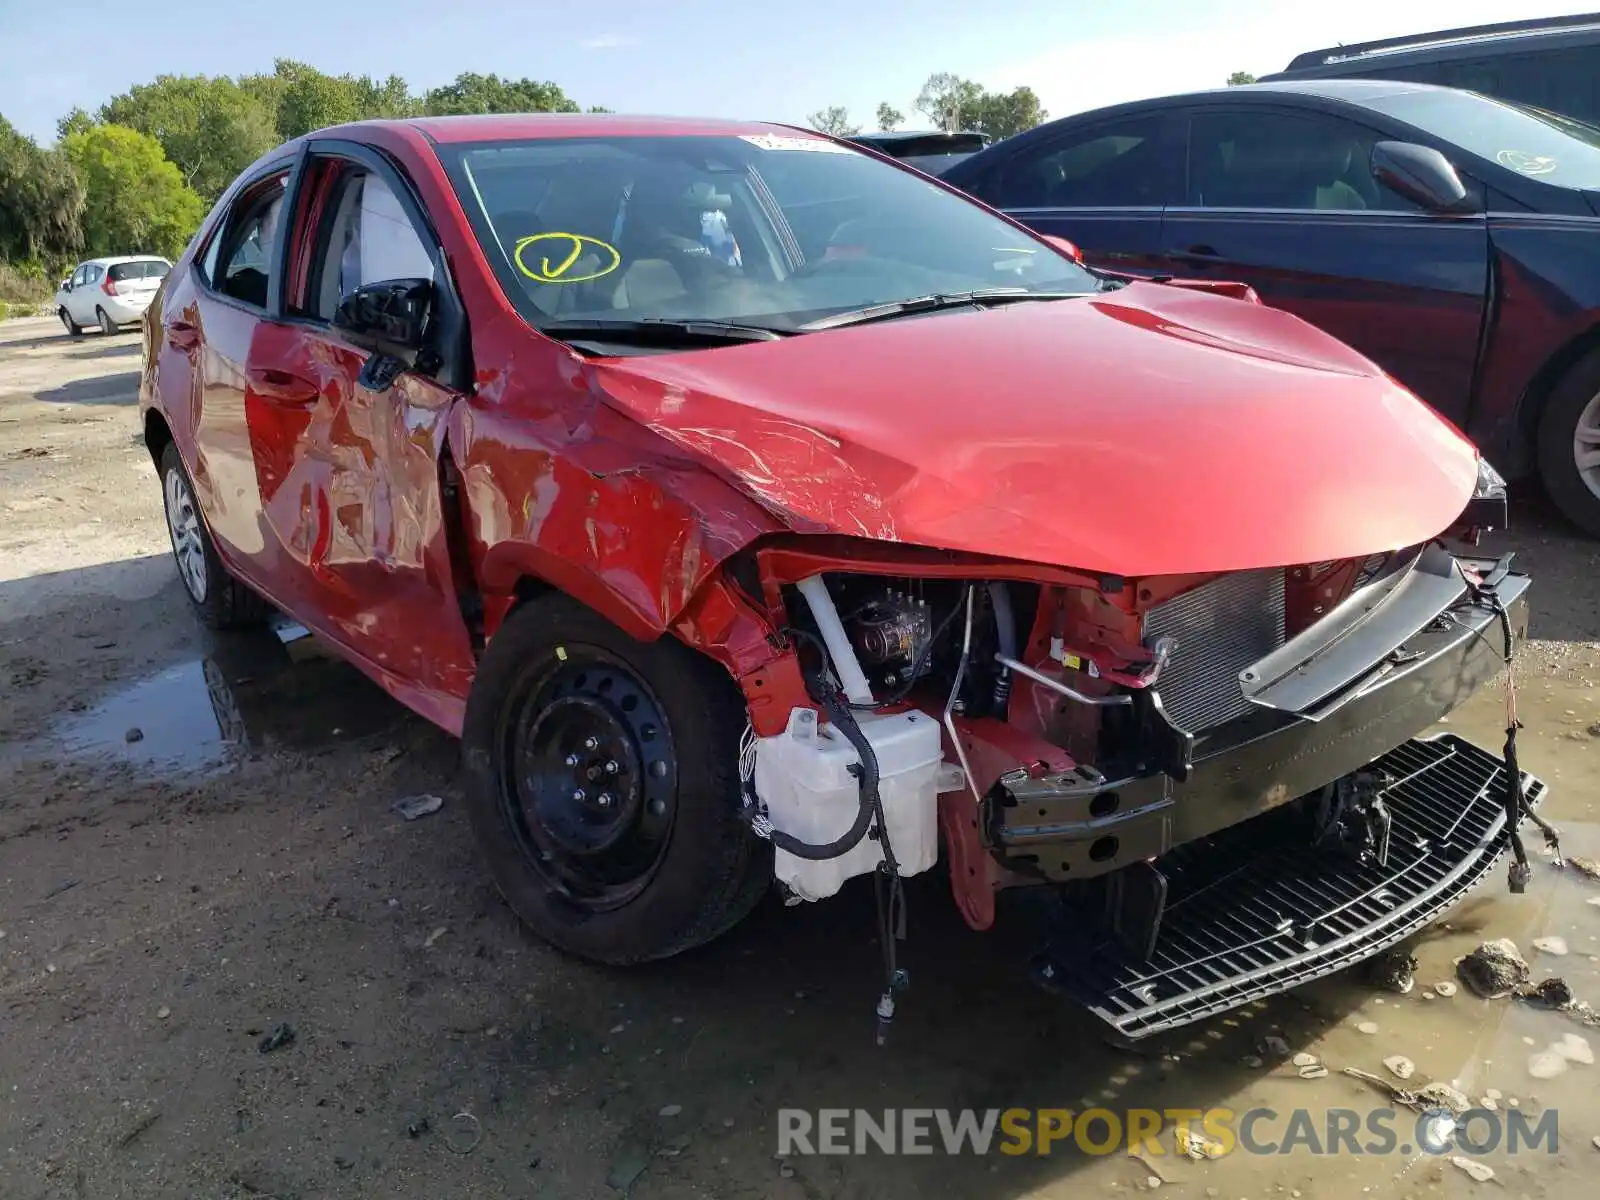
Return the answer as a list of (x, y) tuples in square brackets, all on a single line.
[(1077, 825)]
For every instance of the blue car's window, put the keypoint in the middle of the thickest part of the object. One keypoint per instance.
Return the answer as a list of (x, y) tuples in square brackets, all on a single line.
[(1541, 145), (774, 230)]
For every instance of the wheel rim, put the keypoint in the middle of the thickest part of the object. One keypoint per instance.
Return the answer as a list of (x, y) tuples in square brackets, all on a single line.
[(183, 525), (588, 777), (1586, 445)]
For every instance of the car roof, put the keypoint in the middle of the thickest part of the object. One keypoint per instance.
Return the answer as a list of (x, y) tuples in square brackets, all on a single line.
[(112, 260), (507, 127), (1503, 37)]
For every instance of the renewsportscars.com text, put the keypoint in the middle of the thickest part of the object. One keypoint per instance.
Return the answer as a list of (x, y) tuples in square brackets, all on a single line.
[(1222, 1131)]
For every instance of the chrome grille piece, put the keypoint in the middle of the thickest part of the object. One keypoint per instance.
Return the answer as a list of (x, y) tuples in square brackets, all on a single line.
[(1221, 628)]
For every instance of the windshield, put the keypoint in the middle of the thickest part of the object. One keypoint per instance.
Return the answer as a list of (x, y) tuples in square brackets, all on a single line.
[(769, 230), (1530, 141)]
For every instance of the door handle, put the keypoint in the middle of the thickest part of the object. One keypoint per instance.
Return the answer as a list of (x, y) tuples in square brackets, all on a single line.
[(181, 335), (282, 386), (1201, 254)]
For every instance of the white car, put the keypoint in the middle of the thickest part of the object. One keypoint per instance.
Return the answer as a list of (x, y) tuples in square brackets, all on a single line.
[(110, 292)]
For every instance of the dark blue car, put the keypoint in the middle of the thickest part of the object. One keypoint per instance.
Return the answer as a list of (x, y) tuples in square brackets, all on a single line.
[(1452, 238)]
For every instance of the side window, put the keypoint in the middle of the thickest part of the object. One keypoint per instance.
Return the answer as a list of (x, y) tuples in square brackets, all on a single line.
[(80, 276), (1284, 160), (239, 259), (1117, 165), (370, 239)]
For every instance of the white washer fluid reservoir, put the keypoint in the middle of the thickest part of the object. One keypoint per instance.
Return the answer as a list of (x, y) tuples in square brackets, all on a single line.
[(803, 777)]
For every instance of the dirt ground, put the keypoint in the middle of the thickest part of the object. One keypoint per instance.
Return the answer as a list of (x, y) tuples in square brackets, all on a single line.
[(197, 847)]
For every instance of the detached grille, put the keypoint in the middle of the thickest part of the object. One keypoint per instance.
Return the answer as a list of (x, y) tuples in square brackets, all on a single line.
[(1221, 628), (1255, 909)]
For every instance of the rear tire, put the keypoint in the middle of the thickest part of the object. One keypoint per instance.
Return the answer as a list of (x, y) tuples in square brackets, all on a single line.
[(73, 328), (603, 787), (1569, 444), (219, 600), (107, 325)]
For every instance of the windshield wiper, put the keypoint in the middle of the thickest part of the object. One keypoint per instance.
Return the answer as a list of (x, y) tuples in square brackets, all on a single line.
[(931, 303), (655, 331)]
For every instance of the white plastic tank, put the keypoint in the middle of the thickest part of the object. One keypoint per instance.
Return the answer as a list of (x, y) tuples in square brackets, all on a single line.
[(803, 777)]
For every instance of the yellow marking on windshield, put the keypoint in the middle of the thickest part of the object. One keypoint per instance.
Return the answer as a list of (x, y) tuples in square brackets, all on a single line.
[(547, 271)]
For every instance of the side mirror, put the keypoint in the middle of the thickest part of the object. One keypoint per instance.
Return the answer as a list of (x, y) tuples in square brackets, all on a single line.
[(390, 317), (66, 285), (1070, 249), (1421, 174)]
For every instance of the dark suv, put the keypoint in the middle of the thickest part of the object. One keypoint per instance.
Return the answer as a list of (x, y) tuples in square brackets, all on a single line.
[(1550, 63), (1452, 238)]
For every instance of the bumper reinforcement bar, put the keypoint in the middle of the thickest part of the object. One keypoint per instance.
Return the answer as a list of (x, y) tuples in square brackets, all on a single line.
[(1254, 910)]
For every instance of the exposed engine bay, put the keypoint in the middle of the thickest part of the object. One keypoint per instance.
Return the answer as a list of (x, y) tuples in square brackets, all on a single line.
[(1079, 737)]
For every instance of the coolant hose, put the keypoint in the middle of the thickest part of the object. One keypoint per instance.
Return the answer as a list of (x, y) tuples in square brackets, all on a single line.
[(838, 711), (1006, 631)]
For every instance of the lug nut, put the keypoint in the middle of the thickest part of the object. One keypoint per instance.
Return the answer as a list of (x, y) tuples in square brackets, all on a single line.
[(611, 766), (591, 743), (580, 795), (604, 800), (572, 760)]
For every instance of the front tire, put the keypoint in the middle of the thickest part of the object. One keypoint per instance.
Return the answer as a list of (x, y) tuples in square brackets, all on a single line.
[(602, 786), (73, 328), (1569, 445), (219, 600)]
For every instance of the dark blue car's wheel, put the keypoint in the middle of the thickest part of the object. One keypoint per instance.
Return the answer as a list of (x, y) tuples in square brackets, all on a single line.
[(1569, 444)]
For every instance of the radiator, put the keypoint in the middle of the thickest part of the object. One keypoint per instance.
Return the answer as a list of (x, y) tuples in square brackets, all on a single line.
[(1220, 628)]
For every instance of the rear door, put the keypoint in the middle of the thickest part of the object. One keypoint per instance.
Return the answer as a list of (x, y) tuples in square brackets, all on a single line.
[(351, 481), (1284, 199), (234, 296), (1103, 186)]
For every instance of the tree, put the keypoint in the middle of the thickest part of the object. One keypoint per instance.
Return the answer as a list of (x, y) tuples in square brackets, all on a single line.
[(41, 202), (835, 121), (473, 93), (889, 117), (1001, 115), (75, 121), (309, 100), (136, 201), (947, 100), (211, 128), (1240, 77)]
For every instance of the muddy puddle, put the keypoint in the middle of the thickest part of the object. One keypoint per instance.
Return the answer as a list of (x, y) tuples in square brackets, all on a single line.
[(247, 694)]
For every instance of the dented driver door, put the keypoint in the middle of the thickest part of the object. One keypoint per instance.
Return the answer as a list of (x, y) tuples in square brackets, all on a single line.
[(363, 519)]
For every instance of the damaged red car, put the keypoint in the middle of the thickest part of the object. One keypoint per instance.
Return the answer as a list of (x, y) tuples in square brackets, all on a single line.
[(762, 513)]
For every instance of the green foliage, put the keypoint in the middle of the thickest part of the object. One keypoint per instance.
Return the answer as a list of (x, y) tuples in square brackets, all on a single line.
[(890, 118), (958, 105), (211, 128), (948, 100), (473, 93), (1240, 77), (1002, 114), (41, 201), (138, 202), (835, 121)]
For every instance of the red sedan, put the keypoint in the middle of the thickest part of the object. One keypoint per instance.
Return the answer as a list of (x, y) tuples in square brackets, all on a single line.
[(762, 513)]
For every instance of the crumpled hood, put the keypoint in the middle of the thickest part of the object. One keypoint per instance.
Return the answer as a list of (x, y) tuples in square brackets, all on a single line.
[(1147, 431)]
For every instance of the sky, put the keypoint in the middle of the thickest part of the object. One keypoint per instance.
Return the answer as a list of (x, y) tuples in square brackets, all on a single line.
[(701, 57)]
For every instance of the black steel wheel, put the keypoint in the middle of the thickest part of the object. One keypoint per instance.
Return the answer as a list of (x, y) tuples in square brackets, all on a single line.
[(591, 785), (603, 786)]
